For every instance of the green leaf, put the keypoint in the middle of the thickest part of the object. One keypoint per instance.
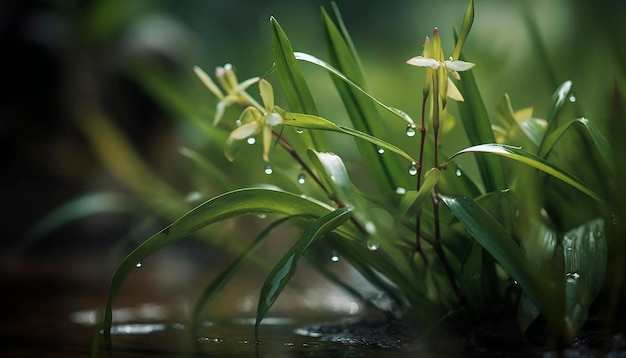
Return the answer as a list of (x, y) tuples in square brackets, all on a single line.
[(558, 100), (217, 285), (478, 130), (598, 139), (294, 85), (232, 204), (468, 20), (333, 173), (586, 254), (314, 122), (316, 61), (286, 267), (522, 156), (494, 238), (412, 200), (362, 111)]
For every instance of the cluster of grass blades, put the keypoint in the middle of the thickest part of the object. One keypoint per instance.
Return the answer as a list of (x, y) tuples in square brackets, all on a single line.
[(522, 220)]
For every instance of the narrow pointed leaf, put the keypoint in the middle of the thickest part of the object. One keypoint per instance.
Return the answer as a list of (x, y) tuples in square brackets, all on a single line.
[(468, 20), (294, 85), (522, 156), (313, 122), (558, 100), (286, 267), (494, 238), (232, 204), (333, 171), (478, 130)]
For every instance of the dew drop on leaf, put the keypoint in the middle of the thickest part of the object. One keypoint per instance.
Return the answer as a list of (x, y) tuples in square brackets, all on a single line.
[(238, 122), (410, 130), (299, 130), (572, 97), (251, 140), (400, 190), (458, 172), (301, 178), (261, 216), (268, 169), (380, 150), (334, 257), (372, 245), (138, 265), (413, 169)]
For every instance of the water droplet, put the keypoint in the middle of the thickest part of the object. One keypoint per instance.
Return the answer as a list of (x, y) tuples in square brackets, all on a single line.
[(238, 122), (370, 227), (138, 265), (380, 150), (262, 216), (597, 233), (299, 130), (413, 169), (372, 245), (289, 344), (268, 169), (574, 275), (572, 97), (410, 130), (334, 257), (458, 172), (400, 190), (613, 218), (301, 178), (251, 140)]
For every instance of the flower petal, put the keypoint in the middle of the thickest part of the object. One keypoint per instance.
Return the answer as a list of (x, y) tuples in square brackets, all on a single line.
[(459, 65), (421, 61), (219, 112), (267, 94), (453, 92), (208, 82), (273, 119), (247, 83), (267, 142), (245, 130)]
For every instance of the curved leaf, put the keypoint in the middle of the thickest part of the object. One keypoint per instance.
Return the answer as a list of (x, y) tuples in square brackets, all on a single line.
[(232, 204), (598, 139), (314, 122), (533, 160), (333, 173), (316, 61), (286, 267)]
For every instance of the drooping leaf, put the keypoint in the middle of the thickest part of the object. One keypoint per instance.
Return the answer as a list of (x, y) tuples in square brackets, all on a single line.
[(314, 122), (333, 173), (522, 156), (598, 139), (316, 61), (232, 204), (286, 267), (494, 238)]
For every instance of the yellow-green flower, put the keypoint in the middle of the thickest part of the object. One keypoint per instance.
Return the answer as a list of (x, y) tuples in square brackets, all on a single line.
[(438, 69), (253, 120), (235, 91)]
